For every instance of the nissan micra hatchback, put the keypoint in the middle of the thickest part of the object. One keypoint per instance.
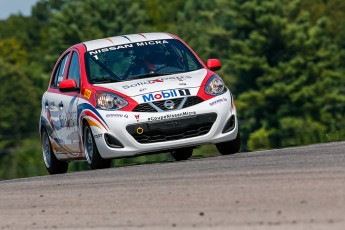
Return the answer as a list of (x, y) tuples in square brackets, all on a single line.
[(131, 95)]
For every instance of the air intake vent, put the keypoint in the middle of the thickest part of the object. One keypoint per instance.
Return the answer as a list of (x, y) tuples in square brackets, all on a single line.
[(174, 129)]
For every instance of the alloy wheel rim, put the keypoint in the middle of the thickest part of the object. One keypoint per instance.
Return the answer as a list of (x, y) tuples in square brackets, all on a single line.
[(46, 150), (88, 146)]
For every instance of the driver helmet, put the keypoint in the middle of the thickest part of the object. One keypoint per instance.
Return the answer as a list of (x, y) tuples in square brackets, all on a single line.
[(155, 59)]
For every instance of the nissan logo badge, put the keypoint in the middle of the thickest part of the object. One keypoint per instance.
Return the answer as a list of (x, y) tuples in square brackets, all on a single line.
[(169, 104)]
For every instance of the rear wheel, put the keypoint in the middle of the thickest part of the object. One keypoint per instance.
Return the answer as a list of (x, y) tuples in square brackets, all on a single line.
[(182, 154), (230, 147), (93, 157), (53, 165)]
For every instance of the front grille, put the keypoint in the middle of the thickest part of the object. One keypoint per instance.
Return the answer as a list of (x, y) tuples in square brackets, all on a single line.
[(147, 107), (174, 129), (160, 104), (192, 101)]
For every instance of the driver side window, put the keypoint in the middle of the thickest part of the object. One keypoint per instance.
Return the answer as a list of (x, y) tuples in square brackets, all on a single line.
[(74, 69), (59, 72)]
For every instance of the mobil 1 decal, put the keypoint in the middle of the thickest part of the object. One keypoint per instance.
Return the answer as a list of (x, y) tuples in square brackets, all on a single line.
[(165, 94)]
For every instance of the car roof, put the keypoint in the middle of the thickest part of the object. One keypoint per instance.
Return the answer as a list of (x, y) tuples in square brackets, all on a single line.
[(125, 39)]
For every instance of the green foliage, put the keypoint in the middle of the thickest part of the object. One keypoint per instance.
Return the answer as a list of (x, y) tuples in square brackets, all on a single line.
[(23, 160), (19, 105), (259, 140), (283, 61), (288, 74), (79, 21), (13, 51), (296, 131)]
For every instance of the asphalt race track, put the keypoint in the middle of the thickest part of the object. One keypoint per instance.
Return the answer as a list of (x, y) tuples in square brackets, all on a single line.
[(294, 188)]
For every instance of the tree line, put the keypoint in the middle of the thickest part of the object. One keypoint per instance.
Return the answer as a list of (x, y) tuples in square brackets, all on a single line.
[(283, 61)]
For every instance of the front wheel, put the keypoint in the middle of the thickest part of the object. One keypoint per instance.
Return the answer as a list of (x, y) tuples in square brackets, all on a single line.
[(93, 157), (230, 147), (182, 154), (53, 165)]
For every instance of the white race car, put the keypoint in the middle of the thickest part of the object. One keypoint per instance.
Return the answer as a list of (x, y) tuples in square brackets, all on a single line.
[(131, 95)]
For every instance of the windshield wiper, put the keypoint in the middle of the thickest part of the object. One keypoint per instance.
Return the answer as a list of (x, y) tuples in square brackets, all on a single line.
[(103, 80), (175, 72)]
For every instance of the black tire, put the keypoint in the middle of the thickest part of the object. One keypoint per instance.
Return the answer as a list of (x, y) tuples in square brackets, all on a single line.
[(182, 154), (230, 147), (53, 165), (93, 157)]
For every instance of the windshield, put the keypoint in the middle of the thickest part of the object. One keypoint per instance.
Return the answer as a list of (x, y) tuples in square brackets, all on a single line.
[(139, 60)]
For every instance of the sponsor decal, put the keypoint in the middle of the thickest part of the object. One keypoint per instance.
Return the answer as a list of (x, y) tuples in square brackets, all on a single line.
[(159, 80), (137, 117), (151, 42), (87, 93), (111, 48), (125, 46), (143, 89), (171, 116), (98, 135), (140, 130), (217, 101), (116, 115), (165, 94)]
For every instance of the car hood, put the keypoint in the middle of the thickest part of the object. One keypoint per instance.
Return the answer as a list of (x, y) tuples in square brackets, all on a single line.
[(154, 84)]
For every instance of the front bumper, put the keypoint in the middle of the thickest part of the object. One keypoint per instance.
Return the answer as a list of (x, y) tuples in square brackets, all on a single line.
[(136, 133)]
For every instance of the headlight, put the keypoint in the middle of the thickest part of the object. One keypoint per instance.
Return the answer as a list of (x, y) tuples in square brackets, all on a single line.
[(110, 101), (215, 86)]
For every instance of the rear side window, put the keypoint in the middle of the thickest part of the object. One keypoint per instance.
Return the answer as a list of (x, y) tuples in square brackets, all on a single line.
[(74, 69), (59, 72)]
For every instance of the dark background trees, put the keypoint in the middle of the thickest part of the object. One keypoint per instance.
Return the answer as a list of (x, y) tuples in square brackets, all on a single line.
[(283, 60)]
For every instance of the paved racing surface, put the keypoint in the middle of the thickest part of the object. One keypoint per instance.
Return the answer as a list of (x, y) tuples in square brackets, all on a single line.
[(295, 188)]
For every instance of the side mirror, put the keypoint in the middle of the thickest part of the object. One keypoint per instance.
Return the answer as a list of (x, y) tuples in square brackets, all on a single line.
[(68, 85), (213, 64)]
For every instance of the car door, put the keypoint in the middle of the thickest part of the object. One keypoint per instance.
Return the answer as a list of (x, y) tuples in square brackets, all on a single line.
[(68, 103), (51, 103)]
